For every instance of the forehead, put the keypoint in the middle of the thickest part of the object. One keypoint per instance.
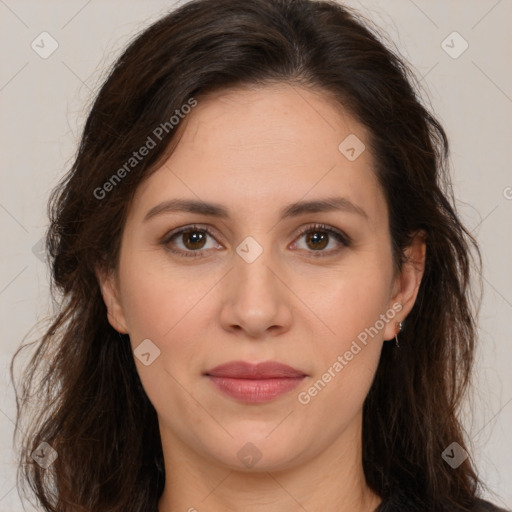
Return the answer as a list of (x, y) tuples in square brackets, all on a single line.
[(255, 149)]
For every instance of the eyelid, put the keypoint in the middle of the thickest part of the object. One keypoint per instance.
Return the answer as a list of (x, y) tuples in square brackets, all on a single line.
[(342, 237)]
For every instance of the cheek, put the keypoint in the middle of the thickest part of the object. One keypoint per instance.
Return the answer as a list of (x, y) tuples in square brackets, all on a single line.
[(347, 357), (354, 311), (148, 305), (170, 308), (159, 299), (348, 302), (164, 308)]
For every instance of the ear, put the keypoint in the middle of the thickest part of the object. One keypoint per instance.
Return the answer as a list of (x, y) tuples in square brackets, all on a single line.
[(110, 291), (407, 282)]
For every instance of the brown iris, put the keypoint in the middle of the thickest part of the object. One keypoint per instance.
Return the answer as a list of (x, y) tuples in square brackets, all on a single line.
[(196, 239), (317, 237)]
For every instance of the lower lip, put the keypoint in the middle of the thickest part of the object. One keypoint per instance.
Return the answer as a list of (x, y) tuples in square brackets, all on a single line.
[(255, 391)]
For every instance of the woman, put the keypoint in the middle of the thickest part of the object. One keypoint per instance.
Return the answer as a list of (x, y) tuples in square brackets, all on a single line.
[(251, 247)]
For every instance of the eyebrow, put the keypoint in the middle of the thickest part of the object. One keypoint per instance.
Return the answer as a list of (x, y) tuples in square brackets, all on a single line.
[(292, 210)]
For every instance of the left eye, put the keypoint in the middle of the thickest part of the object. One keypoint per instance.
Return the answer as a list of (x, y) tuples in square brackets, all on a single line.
[(191, 241), (318, 237)]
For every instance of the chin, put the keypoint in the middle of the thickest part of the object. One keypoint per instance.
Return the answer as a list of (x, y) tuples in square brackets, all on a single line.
[(250, 452)]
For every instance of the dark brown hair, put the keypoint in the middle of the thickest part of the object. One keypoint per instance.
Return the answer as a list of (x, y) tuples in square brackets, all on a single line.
[(80, 391)]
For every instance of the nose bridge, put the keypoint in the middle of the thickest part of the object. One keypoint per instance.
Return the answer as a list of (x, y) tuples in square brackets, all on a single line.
[(252, 267), (256, 299)]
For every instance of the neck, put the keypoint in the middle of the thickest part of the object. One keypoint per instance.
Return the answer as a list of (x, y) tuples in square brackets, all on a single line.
[(332, 481)]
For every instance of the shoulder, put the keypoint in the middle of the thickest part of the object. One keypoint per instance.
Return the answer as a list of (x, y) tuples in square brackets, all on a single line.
[(485, 506)]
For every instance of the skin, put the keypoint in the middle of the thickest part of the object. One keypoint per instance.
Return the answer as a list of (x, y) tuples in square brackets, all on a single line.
[(254, 151)]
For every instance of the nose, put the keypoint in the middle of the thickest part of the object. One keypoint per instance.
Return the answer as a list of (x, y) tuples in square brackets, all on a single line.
[(255, 298)]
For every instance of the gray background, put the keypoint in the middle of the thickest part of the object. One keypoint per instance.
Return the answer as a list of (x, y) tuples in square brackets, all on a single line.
[(44, 103)]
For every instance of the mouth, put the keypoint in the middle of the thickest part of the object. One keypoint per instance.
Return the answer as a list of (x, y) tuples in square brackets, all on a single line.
[(254, 383)]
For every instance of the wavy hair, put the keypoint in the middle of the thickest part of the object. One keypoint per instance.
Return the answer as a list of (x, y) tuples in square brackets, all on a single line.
[(80, 391)]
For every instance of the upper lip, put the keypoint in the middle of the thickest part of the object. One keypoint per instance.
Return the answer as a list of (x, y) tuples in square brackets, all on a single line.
[(245, 370)]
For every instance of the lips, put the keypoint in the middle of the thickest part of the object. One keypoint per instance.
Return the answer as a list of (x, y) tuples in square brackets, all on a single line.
[(254, 383), (243, 370)]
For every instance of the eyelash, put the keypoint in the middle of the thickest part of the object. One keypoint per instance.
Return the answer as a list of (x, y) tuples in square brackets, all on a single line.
[(338, 235)]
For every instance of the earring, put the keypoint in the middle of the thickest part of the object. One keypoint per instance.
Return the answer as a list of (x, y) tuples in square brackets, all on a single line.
[(398, 328)]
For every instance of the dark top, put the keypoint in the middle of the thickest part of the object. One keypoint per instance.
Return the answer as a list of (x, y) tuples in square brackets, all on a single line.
[(399, 504)]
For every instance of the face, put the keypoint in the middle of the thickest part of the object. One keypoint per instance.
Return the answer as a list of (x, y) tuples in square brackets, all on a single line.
[(269, 273)]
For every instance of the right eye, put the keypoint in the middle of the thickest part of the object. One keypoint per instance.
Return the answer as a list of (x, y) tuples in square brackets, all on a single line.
[(191, 241)]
